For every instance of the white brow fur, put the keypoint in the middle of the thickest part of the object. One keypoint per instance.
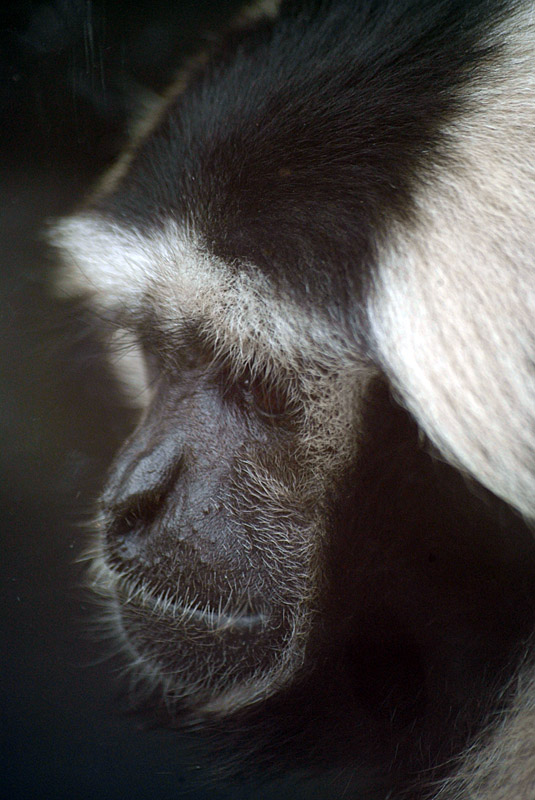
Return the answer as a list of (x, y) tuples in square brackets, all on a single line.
[(116, 268)]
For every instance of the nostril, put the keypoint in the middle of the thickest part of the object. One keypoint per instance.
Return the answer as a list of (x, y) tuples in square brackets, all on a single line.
[(130, 521)]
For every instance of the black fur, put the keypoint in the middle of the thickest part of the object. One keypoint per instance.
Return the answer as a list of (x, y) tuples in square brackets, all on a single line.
[(300, 143)]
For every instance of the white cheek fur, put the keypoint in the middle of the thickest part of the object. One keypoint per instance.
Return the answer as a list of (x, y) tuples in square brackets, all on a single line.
[(454, 304)]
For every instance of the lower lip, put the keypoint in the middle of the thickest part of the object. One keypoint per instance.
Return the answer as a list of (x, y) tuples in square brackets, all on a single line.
[(218, 621)]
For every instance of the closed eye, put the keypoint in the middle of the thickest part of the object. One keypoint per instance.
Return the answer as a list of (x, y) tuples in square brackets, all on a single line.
[(271, 401), (265, 396)]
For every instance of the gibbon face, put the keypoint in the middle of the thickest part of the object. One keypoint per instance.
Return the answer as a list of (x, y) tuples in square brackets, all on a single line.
[(216, 511)]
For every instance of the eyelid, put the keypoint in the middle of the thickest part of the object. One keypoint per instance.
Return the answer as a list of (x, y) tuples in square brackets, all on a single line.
[(271, 400)]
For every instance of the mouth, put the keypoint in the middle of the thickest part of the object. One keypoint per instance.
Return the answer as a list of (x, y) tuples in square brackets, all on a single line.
[(190, 611), (238, 615), (208, 657)]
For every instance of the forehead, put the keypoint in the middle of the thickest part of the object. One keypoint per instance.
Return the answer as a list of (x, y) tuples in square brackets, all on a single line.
[(168, 272)]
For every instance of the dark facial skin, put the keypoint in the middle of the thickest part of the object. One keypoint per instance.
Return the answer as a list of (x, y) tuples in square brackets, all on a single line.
[(200, 566)]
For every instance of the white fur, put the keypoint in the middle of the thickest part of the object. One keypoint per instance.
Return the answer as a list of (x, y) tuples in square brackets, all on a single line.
[(454, 305), (130, 368), (239, 313), (501, 765)]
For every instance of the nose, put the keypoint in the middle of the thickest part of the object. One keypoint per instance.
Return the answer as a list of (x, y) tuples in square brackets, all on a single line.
[(135, 495)]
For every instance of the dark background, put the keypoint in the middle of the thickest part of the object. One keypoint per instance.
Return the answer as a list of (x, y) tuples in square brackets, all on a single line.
[(71, 73)]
